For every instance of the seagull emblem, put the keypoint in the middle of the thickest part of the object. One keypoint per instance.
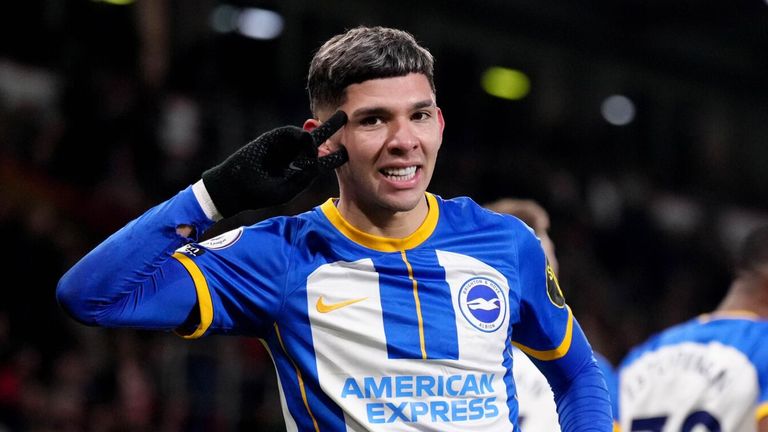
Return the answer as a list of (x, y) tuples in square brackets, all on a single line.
[(483, 304)]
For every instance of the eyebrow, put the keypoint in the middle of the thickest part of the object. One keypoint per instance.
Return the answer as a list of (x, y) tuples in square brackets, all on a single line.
[(378, 110)]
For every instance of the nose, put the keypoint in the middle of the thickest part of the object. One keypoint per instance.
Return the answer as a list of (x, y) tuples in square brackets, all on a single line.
[(402, 136)]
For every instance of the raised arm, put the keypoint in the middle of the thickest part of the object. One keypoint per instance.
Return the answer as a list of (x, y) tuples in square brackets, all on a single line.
[(122, 281), (129, 280)]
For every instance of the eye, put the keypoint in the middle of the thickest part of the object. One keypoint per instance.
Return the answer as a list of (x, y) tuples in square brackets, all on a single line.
[(421, 115), (370, 121)]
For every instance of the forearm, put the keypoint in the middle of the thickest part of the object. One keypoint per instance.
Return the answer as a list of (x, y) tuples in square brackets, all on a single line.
[(583, 404), (114, 280)]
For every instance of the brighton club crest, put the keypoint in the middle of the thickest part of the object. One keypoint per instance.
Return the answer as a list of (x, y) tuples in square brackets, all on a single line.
[(483, 304)]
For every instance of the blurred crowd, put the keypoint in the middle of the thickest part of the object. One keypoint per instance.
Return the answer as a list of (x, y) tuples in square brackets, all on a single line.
[(100, 121)]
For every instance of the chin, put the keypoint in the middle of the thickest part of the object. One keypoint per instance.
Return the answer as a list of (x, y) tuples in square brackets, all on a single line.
[(404, 203)]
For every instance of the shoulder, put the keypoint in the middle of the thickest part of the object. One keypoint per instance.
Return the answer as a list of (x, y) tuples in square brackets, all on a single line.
[(752, 338), (742, 335), (260, 230), (465, 210), (502, 236)]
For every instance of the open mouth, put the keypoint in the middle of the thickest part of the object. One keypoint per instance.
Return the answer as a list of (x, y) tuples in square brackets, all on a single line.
[(399, 174)]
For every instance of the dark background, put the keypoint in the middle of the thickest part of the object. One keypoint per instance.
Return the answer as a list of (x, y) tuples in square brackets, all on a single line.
[(105, 110)]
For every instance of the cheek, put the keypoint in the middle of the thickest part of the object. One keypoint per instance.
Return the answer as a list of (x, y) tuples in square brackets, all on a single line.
[(431, 146), (431, 138), (363, 147)]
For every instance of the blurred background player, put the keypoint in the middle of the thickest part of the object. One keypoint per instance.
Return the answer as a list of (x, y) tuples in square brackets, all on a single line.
[(537, 404), (710, 373)]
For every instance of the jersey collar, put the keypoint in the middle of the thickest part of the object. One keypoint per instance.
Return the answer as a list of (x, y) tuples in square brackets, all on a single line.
[(384, 244)]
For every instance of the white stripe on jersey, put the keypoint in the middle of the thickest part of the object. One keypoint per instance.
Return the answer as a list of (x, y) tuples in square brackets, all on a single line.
[(471, 389)]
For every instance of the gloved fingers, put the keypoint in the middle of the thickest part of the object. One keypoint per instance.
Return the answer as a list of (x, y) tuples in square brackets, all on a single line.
[(297, 178), (333, 160), (322, 164), (335, 122), (283, 146)]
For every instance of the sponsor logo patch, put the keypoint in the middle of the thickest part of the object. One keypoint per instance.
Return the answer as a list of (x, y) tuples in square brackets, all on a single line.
[(223, 241), (191, 249), (553, 289), (483, 304)]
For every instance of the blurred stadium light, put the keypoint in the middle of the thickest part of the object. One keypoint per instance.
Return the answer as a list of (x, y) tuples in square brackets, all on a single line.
[(618, 110), (505, 83), (254, 23)]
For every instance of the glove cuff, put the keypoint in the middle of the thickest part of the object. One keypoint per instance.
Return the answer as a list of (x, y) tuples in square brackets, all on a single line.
[(223, 196), (206, 203)]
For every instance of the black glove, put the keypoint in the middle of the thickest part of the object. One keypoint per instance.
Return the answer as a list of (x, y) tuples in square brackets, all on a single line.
[(273, 168)]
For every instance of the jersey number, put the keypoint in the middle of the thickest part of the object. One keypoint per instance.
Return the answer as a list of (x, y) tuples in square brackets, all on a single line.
[(698, 418)]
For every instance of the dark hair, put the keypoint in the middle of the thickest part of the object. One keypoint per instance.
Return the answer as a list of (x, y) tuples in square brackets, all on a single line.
[(753, 252), (361, 54)]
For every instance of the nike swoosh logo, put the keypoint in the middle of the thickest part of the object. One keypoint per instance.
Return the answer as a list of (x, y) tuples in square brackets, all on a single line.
[(294, 167), (323, 307)]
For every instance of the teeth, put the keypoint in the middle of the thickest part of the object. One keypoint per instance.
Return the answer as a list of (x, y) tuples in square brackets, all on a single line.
[(400, 174)]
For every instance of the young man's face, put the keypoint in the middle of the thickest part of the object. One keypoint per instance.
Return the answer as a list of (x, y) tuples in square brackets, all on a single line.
[(392, 136)]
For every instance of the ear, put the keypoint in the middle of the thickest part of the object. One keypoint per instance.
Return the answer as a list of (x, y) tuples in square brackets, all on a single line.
[(311, 124), (440, 120), (323, 149)]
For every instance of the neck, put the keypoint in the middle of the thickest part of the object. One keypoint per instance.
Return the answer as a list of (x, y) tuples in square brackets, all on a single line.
[(383, 222), (746, 295)]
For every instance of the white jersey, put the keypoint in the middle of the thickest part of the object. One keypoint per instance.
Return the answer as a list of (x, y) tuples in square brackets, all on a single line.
[(709, 374)]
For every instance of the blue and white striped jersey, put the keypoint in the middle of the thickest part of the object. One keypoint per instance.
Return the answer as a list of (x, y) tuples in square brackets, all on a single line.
[(395, 331), (366, 333), (709, 374)]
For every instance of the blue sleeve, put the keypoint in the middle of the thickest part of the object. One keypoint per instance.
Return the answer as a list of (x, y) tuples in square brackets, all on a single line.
[(545, 326), (241, 276), (129, 279), (611, 381), (583, 403), (550, 335)]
